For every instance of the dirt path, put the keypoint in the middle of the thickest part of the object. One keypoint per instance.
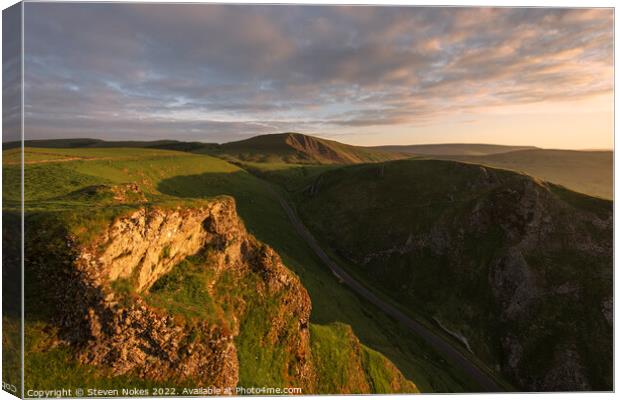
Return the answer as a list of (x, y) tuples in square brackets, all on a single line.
[(443, 347)]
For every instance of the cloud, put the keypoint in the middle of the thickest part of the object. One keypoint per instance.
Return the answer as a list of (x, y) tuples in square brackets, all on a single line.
[(11, 74), (219, 72)]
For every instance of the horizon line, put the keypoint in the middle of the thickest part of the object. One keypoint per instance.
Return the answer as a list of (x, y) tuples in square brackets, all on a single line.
[(532, 147)]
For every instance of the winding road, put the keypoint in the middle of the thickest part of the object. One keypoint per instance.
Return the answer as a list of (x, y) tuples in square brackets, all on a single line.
[(443, 347)]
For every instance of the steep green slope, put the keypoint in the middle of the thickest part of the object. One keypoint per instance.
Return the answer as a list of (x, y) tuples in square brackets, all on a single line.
[(589, 172), (160, 178), (517, 270), (295, 148)]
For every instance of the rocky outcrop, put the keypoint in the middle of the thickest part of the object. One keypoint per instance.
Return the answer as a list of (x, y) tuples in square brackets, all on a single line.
[(520, 267), (543, 317), (147, 243), (103, 290), (143, 342), (127, 193), (126, 335)]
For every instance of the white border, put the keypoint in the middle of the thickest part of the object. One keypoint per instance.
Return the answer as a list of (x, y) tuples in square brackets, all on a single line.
[(483, 3)]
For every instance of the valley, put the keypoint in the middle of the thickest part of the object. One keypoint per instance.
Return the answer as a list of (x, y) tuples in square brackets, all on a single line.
[(307, 199), (394, 253)]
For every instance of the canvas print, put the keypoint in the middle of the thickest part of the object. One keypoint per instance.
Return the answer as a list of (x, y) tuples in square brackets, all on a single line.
[(232, 199)]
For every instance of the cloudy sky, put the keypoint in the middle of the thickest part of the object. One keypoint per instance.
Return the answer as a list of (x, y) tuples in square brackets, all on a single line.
[(361, 75)]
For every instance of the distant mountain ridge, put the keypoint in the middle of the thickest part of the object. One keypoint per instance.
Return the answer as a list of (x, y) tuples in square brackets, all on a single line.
[(296, 148), (290, 147), (590, 172), (446, 149)]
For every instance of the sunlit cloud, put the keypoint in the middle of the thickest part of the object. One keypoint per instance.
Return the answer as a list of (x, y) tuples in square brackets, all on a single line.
[(223, 72)]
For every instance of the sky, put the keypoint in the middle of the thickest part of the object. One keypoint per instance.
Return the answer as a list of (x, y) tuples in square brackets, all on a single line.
[(360, 75)]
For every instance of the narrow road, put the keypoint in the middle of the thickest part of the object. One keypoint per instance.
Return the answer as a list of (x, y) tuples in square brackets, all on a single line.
[(443, 347)]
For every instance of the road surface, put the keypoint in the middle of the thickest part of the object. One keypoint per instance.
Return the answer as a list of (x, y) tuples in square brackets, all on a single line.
[(443, 347)]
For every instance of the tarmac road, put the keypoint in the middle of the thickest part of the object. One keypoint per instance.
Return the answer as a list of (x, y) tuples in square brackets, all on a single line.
[(443, 347)]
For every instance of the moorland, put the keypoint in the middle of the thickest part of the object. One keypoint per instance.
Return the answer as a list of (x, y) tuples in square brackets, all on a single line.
[(290, 260)]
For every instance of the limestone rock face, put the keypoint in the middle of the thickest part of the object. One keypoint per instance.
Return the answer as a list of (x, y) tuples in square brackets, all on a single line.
[(112, 284), (147, 243), (136, 338)]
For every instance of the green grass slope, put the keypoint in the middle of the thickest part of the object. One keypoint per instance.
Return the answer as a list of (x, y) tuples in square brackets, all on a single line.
[(169, 177), (515, 269), (295, 148), (98, 143), (589, 172)]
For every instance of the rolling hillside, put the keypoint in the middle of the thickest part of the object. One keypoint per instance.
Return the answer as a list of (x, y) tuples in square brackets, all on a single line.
[(95, 186), (97, 143), (295, 148), (290, 148), (516, 269), (589, 172), (487, 256), (451, 149)]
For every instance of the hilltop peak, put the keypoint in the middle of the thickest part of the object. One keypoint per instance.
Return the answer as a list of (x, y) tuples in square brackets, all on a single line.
[(298, 148)]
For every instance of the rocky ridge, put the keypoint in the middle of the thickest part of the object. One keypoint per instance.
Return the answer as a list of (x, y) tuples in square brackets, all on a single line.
[(127, 335), (139, 339), (519, 267)]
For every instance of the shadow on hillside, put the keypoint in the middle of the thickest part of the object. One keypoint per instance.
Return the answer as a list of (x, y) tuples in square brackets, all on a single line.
[(11, 300), (11, 264), (56, 291), (208, 184), (264, 217)]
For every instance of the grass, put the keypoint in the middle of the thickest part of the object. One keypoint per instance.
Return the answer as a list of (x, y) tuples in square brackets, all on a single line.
[(184, 292), (61, 369), (342, 360), (291, 177), (11, 353), (167, 176), (295, 148), (426, 255), (432, 192), (589, 172), (332, 301)]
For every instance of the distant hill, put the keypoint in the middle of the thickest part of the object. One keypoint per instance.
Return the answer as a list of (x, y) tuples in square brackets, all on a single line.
[(469, 149), (295, 148), (589, 172), (97, 143), (290, 148)]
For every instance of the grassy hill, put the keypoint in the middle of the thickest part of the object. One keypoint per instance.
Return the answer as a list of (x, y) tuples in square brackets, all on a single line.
[(589, 172), (516, 269), (426, 234), (290, 148), (169, 177), (295, 148), (97, 143), (451, 149)]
